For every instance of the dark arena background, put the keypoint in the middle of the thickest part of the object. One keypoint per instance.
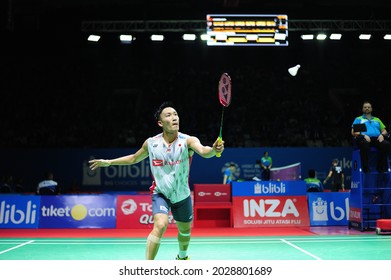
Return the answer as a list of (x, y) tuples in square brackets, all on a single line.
[(59, 90), (65, 100)]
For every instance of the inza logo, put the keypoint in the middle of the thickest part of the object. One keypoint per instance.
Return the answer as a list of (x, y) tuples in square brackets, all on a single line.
[(269, 208), (9, 214)]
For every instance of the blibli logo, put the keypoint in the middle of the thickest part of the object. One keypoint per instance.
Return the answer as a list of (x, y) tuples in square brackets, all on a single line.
[(354, 184), (271, 188), (10, 214), (337, 213), (319, 209)]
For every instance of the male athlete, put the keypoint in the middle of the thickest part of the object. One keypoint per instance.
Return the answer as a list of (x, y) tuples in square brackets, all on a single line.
[(170, 154)]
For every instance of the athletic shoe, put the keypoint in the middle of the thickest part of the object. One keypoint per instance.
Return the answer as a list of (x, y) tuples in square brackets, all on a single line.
[(187, 258)]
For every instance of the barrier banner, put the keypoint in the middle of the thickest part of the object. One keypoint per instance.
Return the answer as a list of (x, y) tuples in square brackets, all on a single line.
[(269, 188), (135, 211), (329, 208), (78, 211), (270, 211), (212, 193), (19, 211)]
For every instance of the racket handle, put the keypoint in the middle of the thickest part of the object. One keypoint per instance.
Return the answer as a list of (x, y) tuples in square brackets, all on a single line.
[(219, 140)]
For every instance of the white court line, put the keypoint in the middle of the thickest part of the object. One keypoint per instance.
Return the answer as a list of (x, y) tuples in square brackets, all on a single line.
[(167, 242), (15, 247), (215, 239), (300, 249), (315, 239), (195, 240)]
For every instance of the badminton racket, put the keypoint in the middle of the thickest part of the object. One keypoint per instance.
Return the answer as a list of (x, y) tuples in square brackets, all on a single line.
[(225, 99)]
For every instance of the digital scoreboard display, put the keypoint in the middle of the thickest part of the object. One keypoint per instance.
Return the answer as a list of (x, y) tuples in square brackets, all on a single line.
[(247, 30)]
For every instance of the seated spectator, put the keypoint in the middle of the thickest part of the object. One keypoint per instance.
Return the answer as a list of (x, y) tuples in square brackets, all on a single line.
[(229, 176), (48, 186), (313, 184), (7, 184)]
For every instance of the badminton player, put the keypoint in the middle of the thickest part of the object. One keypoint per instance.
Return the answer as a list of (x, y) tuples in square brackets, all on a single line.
[(170, 154)]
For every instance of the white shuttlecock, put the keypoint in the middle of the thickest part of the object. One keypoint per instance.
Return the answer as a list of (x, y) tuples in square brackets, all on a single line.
[(293, 70)]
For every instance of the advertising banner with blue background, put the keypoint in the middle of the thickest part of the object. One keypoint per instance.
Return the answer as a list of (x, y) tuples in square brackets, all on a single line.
[(71, 168), (269, 188), (78, 211), (328, 208), (21, 211)]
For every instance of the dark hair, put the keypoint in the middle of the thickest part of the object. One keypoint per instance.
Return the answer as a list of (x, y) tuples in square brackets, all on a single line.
[(161, 108), (311, 173)]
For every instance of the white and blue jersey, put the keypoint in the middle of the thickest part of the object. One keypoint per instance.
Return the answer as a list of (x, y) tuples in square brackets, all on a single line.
[(170, 166)]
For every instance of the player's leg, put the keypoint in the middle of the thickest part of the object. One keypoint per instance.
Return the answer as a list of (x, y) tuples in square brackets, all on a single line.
[(183, 215), (160, 223), (184, 235), (160, 209)]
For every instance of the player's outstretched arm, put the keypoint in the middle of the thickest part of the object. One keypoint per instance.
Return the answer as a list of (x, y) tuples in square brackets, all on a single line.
[(205, 151), (138, 156)]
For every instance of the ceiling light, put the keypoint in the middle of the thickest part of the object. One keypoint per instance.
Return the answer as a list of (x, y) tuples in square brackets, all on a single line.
[(126, 38), (155, 37), (307, 37), (335, 36), (189, 37), (321, 37), (365, 36), (93, 38)]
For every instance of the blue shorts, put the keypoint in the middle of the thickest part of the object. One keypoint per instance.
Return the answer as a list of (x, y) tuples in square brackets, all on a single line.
[(182, 211)]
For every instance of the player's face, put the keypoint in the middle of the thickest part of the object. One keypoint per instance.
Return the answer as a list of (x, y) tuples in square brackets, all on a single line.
[(169, 119)]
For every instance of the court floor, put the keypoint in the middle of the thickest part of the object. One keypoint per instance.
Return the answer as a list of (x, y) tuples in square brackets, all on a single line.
[(277, 247)]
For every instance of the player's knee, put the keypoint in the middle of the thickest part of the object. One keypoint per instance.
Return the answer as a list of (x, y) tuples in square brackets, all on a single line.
[(161, 224), (184, 231)]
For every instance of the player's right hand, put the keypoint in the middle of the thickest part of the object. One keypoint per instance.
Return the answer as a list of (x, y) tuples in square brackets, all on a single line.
[(95, 163)]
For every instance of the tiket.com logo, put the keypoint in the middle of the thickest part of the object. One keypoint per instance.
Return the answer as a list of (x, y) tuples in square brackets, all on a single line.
[(78, 212)]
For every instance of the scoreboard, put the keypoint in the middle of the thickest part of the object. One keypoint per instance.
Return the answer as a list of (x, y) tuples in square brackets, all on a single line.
[(247, 30)]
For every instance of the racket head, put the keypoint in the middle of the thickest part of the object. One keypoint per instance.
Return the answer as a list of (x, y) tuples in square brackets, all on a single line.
[(225, 88)]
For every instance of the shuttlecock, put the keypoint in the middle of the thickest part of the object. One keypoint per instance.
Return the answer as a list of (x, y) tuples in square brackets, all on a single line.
[(293, 70)]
